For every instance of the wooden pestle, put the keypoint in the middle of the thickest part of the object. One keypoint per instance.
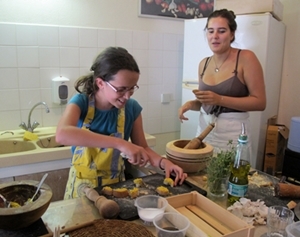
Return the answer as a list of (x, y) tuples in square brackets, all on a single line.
[(196, 142), (287, 190), (108, 209)]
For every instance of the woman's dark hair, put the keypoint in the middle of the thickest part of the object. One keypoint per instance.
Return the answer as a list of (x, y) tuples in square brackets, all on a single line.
[(227, 14), (106, 65)]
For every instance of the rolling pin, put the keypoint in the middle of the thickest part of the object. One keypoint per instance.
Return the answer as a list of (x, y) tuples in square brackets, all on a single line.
[(196, 142), (287, 190), (108, 209)]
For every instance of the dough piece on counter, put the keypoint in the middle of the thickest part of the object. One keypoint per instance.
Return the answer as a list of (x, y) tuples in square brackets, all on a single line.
[(133, 193), (107, 190), (163, 191), (120, 192), (138, 182), (169, 181), (291, 205)]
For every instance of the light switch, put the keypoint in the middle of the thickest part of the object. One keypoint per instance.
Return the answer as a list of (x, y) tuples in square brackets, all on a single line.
[(165, 98)]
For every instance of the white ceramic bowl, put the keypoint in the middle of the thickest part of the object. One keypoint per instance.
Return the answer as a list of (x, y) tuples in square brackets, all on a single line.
[(171, 224), (149, 206)]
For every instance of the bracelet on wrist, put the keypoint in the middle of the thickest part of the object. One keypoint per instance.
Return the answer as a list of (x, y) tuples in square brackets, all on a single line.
[(159, 164)]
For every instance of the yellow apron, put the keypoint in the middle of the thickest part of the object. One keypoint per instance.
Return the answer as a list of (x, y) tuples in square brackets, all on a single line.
[(95, 166)]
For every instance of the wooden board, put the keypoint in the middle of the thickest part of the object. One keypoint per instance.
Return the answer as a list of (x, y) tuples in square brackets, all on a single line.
[(209, 217)]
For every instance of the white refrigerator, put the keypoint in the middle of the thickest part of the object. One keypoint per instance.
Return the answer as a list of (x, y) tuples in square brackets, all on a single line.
[(262, 34)]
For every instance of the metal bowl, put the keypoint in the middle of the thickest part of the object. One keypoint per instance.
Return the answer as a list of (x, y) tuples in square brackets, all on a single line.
[(28, 213)]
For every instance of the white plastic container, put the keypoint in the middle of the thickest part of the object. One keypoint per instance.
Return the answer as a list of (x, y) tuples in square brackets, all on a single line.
[(293, 230), (149, 206), (171, 224), (294, 135)]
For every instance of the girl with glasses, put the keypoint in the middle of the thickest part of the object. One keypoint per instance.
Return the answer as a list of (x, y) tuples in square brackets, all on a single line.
[(99, 121)]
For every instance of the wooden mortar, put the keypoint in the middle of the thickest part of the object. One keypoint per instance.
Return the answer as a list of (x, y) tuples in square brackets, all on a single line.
[(190, 160), (196, 142)]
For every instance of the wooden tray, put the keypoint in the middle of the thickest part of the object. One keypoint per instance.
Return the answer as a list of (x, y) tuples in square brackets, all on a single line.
[(129, 210), (207, 218)]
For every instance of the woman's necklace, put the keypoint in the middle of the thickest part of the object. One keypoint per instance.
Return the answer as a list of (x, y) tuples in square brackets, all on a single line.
[(217, 69)]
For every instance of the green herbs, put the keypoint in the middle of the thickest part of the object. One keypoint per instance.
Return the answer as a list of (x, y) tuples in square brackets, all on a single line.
[(219, 166)]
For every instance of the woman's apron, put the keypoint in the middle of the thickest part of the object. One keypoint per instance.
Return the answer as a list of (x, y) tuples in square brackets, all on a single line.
[(95, 166), (228, 126)]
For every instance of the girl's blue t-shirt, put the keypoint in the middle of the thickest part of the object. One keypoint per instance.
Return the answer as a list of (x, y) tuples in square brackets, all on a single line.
[(105, 121)]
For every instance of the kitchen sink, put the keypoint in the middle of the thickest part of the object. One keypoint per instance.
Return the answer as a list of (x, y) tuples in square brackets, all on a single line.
[(48, 142), (13, 146)]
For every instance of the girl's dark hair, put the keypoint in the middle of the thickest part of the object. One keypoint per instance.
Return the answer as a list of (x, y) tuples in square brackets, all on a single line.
[(227, 14), (106, 65)]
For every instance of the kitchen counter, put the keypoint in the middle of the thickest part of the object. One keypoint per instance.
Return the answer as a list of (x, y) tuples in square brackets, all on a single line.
[(71, 212), (40, 158)]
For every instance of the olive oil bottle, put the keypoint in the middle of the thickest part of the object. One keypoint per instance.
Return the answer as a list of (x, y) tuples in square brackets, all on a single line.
[(239, 169)]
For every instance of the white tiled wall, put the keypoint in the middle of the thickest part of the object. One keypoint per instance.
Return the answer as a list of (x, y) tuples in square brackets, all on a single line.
[(31, 55)]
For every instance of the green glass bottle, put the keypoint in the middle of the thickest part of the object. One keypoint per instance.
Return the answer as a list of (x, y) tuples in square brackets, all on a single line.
[(239, 169)]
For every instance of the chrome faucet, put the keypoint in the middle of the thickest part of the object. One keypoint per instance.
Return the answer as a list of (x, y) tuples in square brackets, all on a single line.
[(30, 127)]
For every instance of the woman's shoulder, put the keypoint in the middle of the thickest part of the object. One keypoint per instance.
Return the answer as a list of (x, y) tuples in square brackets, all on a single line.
[(247, 54)]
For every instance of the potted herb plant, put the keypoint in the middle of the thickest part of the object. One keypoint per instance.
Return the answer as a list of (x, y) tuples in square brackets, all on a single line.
[(218, 171)]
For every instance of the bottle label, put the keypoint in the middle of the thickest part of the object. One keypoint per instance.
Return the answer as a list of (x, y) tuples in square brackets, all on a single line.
[(237, 190)]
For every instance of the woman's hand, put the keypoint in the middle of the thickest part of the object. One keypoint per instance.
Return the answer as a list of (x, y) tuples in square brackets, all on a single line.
[(208, 97), (182, 110), (169, 168)]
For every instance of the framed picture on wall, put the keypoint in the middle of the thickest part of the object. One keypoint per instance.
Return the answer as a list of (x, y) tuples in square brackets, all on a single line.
[(176, 9)]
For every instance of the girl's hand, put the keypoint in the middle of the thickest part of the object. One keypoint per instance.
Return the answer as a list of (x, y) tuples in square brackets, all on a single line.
[(169, 168), (136, 155)]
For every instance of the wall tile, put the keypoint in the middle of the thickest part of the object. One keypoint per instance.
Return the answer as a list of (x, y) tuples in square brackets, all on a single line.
[(9, 78), (170, 42), (155, 76), (141, 57), (87, 56), (68, 37), (49, 56), (155, 58), (140, 40), (46, 76), (48, 36), (106, 37), (154, 92), (170, 59), (156, 110), (143, 79), (13, 121), (124, 39), (155, 41), (29, 78), (28, 56), (8, 56), (10, 100), (88, 38), (27, 35), (69, 57), (8, 34), (29, 97)]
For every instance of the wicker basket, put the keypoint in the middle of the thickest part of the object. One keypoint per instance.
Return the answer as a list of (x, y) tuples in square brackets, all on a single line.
[(108, 228)]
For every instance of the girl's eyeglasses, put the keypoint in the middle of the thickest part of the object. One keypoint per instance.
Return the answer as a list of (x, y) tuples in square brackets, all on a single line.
[(123, 90)]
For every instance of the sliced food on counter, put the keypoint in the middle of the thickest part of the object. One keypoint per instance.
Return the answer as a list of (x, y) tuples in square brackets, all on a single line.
[(252, 212), (120, 192), (163, 191), (169, 181)]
